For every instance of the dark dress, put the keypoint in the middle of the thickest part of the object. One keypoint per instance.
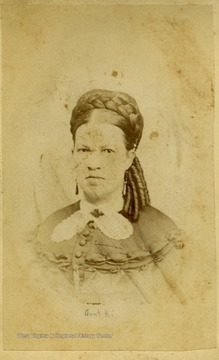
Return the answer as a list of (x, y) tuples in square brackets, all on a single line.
[(144, 268)]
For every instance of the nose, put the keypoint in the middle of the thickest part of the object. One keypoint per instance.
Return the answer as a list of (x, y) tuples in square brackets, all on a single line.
[(94, 161)]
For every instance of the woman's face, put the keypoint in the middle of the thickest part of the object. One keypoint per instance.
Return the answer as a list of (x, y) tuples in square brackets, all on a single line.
[(101, 157)]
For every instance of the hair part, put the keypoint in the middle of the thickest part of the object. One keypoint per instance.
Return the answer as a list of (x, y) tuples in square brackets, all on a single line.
[(115, 119)]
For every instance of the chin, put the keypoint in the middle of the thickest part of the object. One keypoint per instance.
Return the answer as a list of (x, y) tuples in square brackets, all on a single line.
[(95, 194)]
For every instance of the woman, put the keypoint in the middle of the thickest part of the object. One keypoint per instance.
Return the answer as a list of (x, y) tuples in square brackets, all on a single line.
[(112, 243)]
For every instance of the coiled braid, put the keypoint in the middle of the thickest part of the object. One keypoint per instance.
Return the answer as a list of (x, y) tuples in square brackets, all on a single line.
[(131, 122)]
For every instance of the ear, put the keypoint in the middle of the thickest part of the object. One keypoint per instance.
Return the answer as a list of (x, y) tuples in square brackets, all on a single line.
[(130, 158)]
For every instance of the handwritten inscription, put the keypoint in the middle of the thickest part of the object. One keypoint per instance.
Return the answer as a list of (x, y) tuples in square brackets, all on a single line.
[(99, 313)]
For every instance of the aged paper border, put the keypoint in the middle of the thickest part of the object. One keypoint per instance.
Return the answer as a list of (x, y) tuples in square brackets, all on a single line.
[(211, 354)]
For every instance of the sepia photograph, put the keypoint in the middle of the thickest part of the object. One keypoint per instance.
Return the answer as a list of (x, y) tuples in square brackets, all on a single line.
[(109, 236)]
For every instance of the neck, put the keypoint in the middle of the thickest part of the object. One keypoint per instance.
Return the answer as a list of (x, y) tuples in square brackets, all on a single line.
[(114, 201)]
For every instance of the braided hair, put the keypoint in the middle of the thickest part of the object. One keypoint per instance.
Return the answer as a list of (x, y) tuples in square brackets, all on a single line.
[(131, 122)]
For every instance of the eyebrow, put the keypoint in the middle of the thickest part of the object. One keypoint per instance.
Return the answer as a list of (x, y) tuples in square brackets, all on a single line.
[(102, 147), (82, 145), (108, 146)]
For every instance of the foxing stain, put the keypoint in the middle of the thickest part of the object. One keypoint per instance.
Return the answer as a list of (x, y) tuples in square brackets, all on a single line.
[(114, 73), (153, 135)]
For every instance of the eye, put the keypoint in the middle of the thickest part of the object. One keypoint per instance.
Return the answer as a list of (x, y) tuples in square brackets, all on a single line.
[(83, 150), (108, 151)]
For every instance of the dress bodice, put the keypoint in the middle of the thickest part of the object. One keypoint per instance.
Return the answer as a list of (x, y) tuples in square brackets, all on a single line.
[(100, 267)]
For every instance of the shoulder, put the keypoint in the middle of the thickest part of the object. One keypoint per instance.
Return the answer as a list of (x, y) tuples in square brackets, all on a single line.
[(47, 226), (154, 218), (156, 228)]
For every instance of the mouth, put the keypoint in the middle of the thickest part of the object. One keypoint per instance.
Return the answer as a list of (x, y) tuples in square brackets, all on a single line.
[(94, 177)]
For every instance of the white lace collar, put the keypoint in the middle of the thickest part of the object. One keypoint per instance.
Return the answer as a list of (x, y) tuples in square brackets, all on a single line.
[(111, 223)]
